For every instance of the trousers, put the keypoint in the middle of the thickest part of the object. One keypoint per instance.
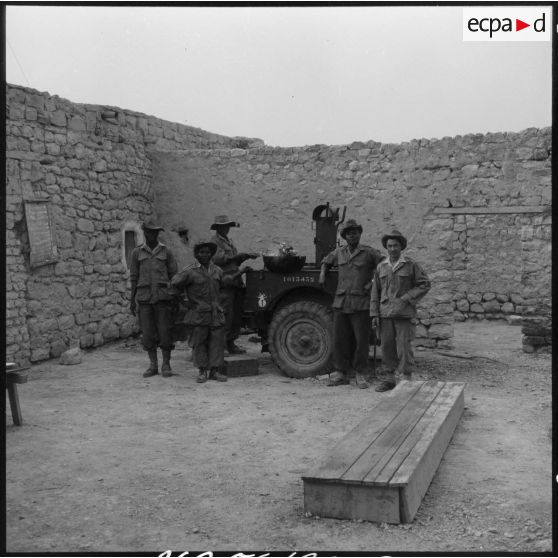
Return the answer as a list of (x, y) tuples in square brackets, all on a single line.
[(208, 346), (155, 321), (397, 350), (232, 299), (351, 334)]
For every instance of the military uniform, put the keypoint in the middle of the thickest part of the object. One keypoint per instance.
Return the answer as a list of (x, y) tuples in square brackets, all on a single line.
[(351, 321), (151, 271), (205, 313), (233, 294), (396, 290)]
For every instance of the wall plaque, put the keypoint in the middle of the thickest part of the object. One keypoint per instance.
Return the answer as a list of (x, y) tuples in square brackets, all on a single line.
[(41, 234)]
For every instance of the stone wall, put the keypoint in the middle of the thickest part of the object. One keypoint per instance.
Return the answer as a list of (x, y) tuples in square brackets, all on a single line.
[(445, 195), (91, 164), (102, 170)]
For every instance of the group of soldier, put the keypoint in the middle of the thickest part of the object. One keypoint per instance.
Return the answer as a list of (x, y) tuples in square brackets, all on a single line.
[(373, 291)]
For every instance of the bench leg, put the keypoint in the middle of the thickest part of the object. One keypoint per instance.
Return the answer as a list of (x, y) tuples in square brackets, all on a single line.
[(14, 404)]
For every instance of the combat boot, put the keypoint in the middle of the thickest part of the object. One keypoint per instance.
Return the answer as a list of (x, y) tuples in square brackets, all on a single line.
[(361, 381), (214, 374), (202, 376), (153, 365), (165, 367)]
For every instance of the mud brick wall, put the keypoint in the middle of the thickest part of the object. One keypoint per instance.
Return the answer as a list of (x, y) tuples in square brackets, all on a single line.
[(91, 164), (476, 260)]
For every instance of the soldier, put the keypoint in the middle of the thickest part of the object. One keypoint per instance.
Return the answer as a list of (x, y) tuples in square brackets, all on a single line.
[(203, 282), (229, 259), (399, 283), (152, 266), (351, 305)]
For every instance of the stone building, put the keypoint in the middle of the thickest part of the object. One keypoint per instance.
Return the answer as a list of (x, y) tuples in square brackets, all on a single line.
[(82, 178)]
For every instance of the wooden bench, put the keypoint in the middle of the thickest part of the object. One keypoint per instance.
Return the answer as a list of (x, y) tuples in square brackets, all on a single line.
[(14, 376), (381, 469)]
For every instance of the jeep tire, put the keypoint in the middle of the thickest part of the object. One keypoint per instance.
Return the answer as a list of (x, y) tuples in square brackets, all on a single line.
[(300, 338)]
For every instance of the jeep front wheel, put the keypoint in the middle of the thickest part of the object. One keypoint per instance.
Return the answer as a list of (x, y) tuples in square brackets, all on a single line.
[(300, 339)]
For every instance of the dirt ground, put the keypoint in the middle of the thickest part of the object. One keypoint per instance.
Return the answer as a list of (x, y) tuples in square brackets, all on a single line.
[(110, 462)]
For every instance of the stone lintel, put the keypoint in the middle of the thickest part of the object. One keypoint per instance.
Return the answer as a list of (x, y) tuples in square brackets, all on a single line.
[(492, 210)]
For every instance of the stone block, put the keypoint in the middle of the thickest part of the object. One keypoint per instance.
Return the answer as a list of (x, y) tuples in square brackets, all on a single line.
[(57, 348), (76, 124), (429, 343), (502, 298), (111, 332), (98, 339), (440, 331), (85, 225), (71, 356), (533, 340), (421, 331), (459, 317), (514, 319), (528, 348), (474, 297), (125, 330), (58, 118), (488, 296), (40, 353), (463, 305), (491, 306), (86, 340), (477, 308), (66, 322), (508, 308)]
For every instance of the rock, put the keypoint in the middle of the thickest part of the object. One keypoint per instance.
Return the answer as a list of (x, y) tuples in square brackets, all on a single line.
[(71, 356), (440, 331), (491, 306), (508, 307), (544, 546), (488, 296)]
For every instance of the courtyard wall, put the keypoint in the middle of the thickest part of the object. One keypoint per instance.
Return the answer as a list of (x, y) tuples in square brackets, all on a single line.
[(474, 208)]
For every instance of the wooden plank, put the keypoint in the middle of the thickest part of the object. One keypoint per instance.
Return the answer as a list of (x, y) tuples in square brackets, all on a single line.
[(349, 501), (435, 412), (420, 466), (492, 210), (377, 455), (14, 404), (355, 442), (15, 378)]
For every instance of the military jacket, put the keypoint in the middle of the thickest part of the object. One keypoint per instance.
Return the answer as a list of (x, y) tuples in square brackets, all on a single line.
[(225, 250), (202, 287), (395, 292), (152, 271), (355, 273)]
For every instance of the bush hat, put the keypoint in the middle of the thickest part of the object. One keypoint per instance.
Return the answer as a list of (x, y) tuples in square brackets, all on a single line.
[(350, 224), (395, 235), (221, 220), (151, 225), (202, 243)]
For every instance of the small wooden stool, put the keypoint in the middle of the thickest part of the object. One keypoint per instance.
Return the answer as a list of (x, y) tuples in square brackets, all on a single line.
[(14, 377)]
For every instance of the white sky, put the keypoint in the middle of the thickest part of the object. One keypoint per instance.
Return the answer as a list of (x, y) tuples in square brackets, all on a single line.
[(289, 75)]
